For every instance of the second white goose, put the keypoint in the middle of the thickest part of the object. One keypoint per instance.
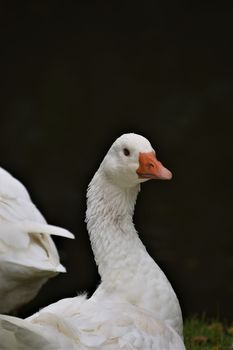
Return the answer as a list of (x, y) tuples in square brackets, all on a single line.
[(28, 256)]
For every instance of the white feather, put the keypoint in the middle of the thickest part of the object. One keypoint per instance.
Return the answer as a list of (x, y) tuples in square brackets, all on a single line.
[(28, 256)]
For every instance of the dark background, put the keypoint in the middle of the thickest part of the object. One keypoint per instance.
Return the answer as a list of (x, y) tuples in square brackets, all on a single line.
[(74, 76)]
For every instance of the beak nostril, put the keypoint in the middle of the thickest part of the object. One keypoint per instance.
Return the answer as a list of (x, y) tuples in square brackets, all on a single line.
[(151, 165)]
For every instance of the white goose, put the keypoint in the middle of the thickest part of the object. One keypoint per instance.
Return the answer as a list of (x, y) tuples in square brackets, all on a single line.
[(135, 306), (28, 256)]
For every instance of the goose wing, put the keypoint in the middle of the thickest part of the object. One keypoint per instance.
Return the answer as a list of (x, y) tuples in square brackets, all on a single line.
[(21, 223), (28, 255), (110, 324)]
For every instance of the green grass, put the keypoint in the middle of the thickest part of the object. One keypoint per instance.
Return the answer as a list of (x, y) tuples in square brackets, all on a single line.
[(200, 334)]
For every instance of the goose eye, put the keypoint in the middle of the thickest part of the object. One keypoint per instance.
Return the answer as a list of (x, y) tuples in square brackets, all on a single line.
[(126, 152)]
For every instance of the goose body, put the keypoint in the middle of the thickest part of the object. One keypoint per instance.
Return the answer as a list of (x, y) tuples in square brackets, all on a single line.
[(28, 256), (134, 306)]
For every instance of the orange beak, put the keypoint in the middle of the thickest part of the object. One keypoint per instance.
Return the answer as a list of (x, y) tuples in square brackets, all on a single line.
[(151, 168)]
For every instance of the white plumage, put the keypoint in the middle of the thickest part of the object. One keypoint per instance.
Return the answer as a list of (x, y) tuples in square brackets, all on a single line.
[(28, 256), (134, 306)]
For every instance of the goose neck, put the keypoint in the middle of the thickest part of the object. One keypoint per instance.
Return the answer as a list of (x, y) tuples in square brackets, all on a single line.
[(109, 221), (108, 203)]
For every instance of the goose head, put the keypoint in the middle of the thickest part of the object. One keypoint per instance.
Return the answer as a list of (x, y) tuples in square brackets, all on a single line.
[(132, 160)]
